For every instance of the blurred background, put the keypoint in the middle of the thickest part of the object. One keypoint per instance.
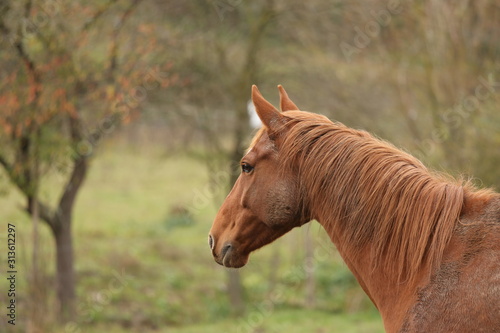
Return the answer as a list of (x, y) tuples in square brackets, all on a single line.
[(122, 121)]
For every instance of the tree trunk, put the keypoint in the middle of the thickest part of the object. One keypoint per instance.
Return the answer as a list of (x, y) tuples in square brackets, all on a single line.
[(309, 267), (235, 288), (236, 291), (65, 274), (64, 241), (274, 263), (38, 295), (240, 97)]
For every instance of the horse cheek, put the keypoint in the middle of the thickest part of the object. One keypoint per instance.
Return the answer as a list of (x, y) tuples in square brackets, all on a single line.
[(282, 207)]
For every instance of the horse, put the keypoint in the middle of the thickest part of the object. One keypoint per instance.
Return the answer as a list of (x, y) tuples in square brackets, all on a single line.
[(425, 247)]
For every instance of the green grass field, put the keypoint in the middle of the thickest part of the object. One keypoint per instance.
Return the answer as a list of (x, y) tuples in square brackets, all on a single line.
[(143, 263)]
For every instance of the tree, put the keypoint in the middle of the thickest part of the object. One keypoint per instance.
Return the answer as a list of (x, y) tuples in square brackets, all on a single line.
[(230, 27), (54, 90), (456, 73)]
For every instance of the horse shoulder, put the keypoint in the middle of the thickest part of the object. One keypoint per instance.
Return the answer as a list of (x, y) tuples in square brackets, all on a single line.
[(463, 294)]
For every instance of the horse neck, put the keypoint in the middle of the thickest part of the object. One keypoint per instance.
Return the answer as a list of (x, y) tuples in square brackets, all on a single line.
[(390, 295), (388, 216), (369, 194)]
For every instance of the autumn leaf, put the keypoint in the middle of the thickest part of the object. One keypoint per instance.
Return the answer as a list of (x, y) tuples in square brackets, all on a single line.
[(7, 127), (145, 28), (69, 108), (31, 93), (110, 92)]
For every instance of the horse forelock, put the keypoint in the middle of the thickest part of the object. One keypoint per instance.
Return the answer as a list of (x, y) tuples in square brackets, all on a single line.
[(369, 192)]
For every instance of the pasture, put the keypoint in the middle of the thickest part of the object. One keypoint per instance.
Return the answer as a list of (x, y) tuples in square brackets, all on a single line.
[(143, 263)]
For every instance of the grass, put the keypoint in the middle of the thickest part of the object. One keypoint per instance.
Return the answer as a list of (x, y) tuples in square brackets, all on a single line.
[(291, 321), (143, 264), (282, 320)]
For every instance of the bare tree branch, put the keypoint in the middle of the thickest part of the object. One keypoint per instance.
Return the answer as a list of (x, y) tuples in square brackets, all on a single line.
[(44, 211), (46, 214), (98, 14), (4, 8), (113, 53)]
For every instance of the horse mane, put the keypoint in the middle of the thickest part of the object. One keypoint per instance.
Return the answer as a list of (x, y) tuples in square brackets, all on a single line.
[(367, 192)]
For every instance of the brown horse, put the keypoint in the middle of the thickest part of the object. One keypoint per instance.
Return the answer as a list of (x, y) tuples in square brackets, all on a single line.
[(424, 247)]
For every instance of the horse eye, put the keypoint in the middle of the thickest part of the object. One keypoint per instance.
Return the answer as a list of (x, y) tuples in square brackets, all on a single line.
[(246, 168)]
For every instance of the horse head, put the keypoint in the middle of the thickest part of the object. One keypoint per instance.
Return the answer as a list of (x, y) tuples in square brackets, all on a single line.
[(265, 202)]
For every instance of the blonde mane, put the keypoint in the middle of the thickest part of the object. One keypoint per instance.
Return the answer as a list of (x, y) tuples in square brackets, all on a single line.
[(371, 193)]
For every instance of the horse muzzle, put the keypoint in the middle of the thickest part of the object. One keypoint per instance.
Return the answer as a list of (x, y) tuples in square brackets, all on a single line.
[(228, 255)]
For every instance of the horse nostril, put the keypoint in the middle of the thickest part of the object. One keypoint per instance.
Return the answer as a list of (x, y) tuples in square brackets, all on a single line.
[(211, 242), (225, 249)]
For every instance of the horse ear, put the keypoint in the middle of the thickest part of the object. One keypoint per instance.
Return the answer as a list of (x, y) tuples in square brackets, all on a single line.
[(267, 113), (286, 103)]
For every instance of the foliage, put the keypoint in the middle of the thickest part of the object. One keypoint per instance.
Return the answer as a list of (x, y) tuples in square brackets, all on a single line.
[(85, 68)]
